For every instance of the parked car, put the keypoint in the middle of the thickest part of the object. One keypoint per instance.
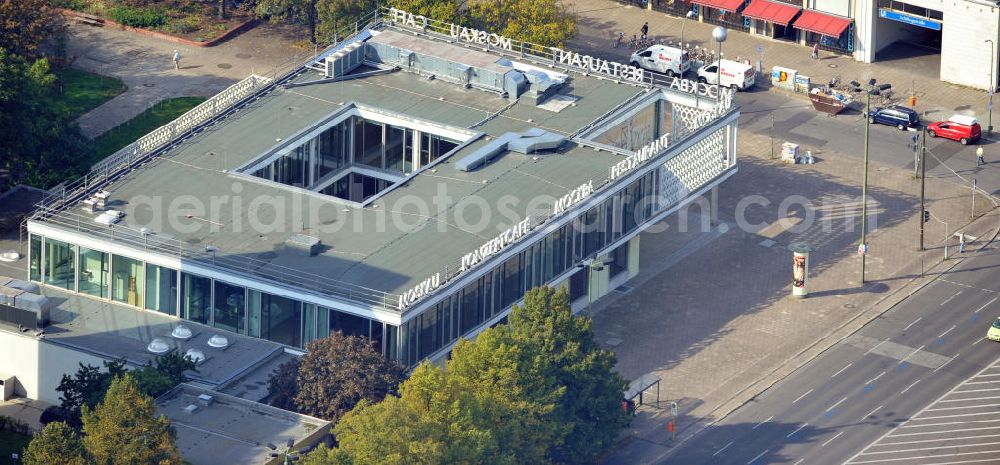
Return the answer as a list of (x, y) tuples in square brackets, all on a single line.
[(994, 332), (662, 59), (895, 115), (735, 75), (964, 129)]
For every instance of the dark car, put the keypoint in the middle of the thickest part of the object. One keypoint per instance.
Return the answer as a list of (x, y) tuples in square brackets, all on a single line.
[(895, 115)]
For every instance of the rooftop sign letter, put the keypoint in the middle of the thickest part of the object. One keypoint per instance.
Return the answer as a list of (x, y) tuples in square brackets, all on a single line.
[(417, 292), (563, 203), (403, 18), (645, 153), (496, 244), (481, 37), (597, 65)]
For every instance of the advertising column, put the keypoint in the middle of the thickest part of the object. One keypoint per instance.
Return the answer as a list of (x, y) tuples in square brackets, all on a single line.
[(800, 269)]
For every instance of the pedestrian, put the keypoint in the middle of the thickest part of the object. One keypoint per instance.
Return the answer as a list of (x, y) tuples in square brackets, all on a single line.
[(961, 243), (980, 160), (177, 59), (816, 51), (644, 29)]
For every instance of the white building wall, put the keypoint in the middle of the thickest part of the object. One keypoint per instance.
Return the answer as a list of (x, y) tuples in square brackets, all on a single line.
[(836, 7), (39, 365)]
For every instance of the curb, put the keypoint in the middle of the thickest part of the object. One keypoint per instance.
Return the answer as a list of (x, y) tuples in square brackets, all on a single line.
[(229, 34)]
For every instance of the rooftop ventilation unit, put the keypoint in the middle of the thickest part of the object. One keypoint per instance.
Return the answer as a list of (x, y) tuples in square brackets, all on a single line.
[(190, 409), (526, 142), (182, 332), (218, 341), (158, 346), (205, 399), (303, 244)]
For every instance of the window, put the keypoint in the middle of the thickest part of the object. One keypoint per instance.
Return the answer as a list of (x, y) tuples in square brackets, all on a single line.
[(430, 333), (277, 319), (391, 342), (196, 298), (230, 307), (35, 273), (512, 281), (470, 306), (394, 148), (127, 276), (161, 289), (350, 325), (94, 272), (368, 143), (60, 264)]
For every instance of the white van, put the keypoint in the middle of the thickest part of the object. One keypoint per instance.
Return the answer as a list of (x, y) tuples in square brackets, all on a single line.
[(736, 75), (662, 59)]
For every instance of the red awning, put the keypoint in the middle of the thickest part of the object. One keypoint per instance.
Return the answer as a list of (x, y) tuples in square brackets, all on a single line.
[(828, 25), (777, 13), (725, 5)]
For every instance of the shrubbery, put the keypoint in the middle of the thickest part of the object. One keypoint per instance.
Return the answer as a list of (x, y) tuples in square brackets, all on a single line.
[(137, 17)]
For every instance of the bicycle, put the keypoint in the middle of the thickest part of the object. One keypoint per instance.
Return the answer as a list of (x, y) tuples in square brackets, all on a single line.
[(618, 40), (634, 43)]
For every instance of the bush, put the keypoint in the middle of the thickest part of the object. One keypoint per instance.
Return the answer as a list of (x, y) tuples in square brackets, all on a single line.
[(14, 425), (184, 25), (138, 17), (54, 414), (77, 5)]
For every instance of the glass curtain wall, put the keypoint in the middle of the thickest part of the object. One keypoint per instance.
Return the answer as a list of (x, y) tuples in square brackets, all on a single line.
[(35, 250), (60, 264), (230, 307), (276, 318), (161, 289), (196, 298), (94, 272), (127, 277)]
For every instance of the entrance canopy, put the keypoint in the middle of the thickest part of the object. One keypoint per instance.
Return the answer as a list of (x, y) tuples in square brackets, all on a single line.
[(725, 5), (777, 13), (821, 23)]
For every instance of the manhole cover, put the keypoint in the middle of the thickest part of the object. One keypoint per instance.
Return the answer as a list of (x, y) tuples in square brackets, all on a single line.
[(244, 55), (849, 305), (148, 84), (832, 65), (224, 65)]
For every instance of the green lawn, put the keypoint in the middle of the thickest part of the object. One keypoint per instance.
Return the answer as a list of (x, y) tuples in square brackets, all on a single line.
[(11, 443), (126, 133), (83, 91)]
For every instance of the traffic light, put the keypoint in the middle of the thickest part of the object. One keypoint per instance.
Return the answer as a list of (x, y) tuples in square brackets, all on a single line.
[(927, 216)]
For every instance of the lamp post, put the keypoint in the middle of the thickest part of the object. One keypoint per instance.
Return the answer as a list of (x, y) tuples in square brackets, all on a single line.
[(989, 123), (689, 15), (872, 89), (720, 35)]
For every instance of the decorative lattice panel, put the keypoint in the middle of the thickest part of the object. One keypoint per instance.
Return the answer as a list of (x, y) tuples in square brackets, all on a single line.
[(694, 167), (688, 119)]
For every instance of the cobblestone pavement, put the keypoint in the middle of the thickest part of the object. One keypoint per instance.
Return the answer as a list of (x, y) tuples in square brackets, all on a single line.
[(144, 64)]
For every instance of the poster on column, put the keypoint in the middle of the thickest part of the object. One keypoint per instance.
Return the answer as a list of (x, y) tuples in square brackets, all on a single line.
[(800, 269)]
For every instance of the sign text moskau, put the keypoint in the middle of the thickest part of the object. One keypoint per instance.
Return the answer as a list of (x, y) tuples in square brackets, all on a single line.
[(632, 161), (572, 197), (419, 291), (496, 244), (597, 65)]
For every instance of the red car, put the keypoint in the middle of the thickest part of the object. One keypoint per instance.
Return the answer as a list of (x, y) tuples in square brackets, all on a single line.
[(964, 129)]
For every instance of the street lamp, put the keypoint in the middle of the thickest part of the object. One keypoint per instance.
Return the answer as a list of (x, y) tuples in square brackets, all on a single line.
[(873, 88), (989, 123), (689, 15), (720, 35)]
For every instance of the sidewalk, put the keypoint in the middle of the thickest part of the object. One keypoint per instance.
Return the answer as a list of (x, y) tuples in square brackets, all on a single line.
[(600, 20), (144, 64), (720, 326)]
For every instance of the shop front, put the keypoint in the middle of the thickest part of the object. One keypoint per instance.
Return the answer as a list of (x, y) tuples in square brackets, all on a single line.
[(832, 33), (772, 18), (722, 12)]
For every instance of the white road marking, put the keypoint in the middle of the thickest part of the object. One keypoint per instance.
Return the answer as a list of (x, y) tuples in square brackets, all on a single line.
[(939, 432), (835, 405), (971, 398), (803, 395), (948, 423), (831, 439), (956, 416), (945, 363), (977, 390), (918, 349), (842, 370), (949, 298), (911, 459), (870, 413), (978, 341), (938, 447), (980, 382), (959, 408), (797, 430), (765, 421), (937, 440), (986, 305), (758, 456), (723, 448), (876, 345), (985, 376), (946, 332), (799, 461), (875, 378), (910, 386), (914, 322)]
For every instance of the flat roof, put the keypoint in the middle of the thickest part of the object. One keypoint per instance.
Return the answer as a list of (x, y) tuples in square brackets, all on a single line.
[(234, 430), (403, 237)]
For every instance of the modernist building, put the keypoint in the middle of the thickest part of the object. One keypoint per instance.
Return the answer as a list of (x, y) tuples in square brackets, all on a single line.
[(960, 31), (407, 185)]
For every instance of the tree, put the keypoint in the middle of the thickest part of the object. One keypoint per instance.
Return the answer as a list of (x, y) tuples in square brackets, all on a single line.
[(339, 371), (124, 429), (324, 17), (57, 443), (296, 11), (543, 22), (25, 25), (86, 388), (281, 384), (222, 9), (441, 10)]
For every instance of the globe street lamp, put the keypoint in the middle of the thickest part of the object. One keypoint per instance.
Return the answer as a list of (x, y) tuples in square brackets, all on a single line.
[(689, 15), (989, 123), (720, 35)]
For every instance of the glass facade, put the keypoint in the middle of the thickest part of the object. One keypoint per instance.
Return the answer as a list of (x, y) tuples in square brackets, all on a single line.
[(278, 318), (161, 289), (35, 252), (95, 269), (60, 264), (196, 298), (127, 277), (230, 310)]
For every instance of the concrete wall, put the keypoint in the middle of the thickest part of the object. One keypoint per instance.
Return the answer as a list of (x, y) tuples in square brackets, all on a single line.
[(39, 364)]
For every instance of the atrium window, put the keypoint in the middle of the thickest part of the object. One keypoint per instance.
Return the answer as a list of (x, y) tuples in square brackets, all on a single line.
[(60, 264), (196, 298), (127, 280), (94, 272), (230, 307), (161, 289), (36, 258)]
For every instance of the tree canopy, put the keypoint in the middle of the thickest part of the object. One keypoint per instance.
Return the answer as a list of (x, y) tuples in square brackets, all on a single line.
[(57, 443), (25, 26), (124, 429)]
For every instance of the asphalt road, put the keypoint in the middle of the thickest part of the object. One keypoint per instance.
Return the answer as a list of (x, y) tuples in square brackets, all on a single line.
[(871, 383), (795, 120)]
